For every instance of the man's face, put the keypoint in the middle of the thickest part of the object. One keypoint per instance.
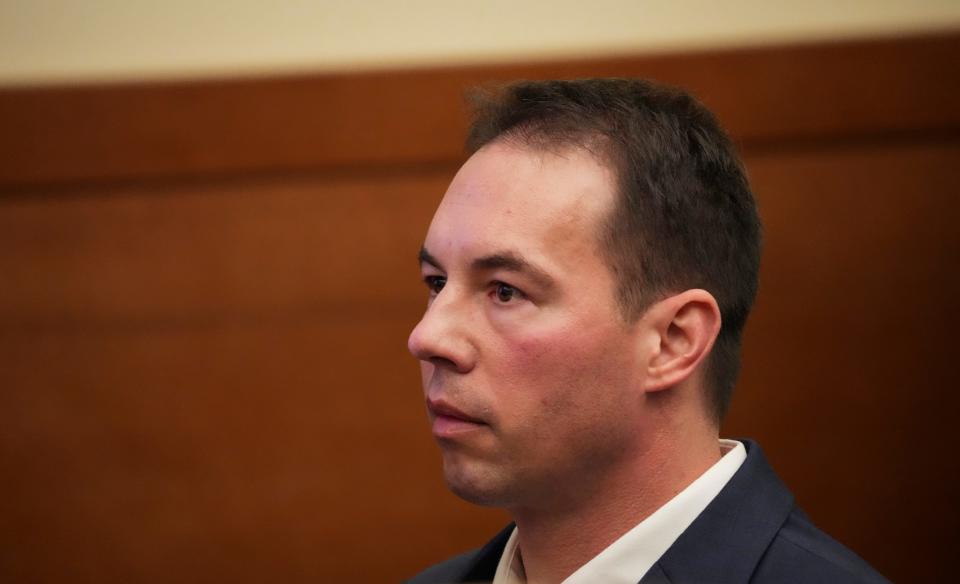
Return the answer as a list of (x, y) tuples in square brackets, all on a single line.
[(529, 371)]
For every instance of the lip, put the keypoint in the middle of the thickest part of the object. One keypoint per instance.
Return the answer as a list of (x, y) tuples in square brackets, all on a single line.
[(449, 421)]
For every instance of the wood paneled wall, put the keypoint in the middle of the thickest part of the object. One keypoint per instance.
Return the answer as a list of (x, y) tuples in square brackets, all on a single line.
[(205, 292)]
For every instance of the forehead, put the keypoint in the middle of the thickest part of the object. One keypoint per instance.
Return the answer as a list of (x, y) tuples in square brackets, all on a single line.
[(533, 201)]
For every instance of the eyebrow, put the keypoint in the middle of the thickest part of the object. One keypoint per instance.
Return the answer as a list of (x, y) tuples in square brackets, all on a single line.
[(426, 258), (505, 260)]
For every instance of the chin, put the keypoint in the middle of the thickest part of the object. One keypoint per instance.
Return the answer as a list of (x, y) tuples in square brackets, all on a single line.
[(475, 484)]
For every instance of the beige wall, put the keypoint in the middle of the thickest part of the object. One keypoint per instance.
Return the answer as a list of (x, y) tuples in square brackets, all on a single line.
[(52, 41)]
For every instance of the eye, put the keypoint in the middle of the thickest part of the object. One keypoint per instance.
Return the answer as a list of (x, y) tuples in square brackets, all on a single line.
[(435, 283), (506, 292)]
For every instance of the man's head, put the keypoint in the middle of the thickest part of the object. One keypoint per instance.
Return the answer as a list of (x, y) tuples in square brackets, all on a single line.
[(684, 216), (575, 265)]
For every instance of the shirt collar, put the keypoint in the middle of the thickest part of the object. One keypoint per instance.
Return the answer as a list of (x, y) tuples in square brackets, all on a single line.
[(626, 560)]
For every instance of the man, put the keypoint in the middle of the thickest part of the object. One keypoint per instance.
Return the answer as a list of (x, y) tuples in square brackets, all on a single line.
[(590, 270)]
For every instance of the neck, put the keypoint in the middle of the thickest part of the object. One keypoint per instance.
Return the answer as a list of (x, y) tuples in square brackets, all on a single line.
[(554, 542)]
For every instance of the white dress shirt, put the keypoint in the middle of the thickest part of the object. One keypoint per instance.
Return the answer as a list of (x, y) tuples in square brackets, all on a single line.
[(626, 560)]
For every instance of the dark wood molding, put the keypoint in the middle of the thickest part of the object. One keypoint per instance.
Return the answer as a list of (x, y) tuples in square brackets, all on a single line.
[(841, 90)]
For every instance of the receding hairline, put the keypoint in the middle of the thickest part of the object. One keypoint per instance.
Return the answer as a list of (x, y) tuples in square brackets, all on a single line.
[(534, 138), (600, 146)]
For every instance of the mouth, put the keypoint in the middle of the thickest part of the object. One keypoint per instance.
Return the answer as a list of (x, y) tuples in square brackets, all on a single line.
[(450, 422)]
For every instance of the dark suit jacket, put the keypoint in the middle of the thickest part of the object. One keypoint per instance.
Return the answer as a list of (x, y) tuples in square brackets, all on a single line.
[(751, 532)]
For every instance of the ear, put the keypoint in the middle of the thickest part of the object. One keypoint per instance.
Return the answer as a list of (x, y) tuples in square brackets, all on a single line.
[(683, 328)]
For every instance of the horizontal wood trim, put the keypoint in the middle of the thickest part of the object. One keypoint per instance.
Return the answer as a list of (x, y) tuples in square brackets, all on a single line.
[(763, 95), (199, 255)]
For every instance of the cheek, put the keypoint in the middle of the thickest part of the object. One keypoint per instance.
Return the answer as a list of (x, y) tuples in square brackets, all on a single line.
[(554, 354), (564, 364), (571, 397)]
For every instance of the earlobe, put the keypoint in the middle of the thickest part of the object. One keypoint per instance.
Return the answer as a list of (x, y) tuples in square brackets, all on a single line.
[(684, 328)]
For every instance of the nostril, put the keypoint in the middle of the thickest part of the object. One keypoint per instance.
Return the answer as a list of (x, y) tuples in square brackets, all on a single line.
[(443, 363)]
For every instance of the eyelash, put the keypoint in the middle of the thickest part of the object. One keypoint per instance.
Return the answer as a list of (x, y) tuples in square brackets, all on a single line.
[(436, 283), (515, 294)]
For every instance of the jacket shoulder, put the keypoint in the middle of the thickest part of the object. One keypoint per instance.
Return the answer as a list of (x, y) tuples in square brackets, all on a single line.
[(802, 553)]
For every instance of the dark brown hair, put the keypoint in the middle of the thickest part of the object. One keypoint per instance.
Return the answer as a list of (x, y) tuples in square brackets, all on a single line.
[(684, 218)]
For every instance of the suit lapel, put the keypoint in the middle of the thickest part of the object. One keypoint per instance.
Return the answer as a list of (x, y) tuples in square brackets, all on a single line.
[(655, 575), (725, 543), (484, 567)]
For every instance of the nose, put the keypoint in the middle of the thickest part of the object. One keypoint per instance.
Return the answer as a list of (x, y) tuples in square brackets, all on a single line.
[(442, 337)]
